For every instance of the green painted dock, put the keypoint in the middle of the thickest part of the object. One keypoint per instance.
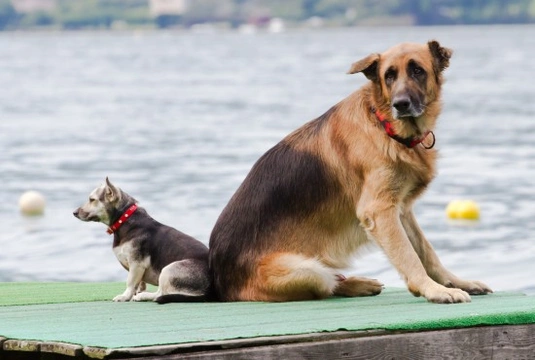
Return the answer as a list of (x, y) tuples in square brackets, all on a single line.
[(66, 320)]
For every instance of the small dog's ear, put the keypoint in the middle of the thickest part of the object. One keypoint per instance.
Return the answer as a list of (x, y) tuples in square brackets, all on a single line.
[(367, 66), (441, 55), (111, 191)]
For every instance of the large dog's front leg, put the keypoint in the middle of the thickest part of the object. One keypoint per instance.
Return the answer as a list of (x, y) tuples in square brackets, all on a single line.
[(135, 276), (382, 223), (431, 262)]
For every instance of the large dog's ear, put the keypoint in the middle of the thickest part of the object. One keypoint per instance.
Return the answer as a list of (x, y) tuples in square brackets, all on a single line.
[(441, 55), (367, 66), (112, 193)]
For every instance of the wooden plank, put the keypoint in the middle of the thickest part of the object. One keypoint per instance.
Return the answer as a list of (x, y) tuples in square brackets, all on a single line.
[(160, 350), (96, 352), (21, 345), (61, 348), (498, 342)]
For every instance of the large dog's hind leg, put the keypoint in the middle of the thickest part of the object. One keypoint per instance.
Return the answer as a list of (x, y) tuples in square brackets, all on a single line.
[(431, 262), (290, 277), (357, 286)]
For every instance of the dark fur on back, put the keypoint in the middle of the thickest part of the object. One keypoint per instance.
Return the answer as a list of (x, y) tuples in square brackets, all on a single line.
[(157, 240), (285, 183)]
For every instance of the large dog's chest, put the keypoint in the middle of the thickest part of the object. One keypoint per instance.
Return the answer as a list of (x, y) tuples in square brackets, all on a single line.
[(412, 174)]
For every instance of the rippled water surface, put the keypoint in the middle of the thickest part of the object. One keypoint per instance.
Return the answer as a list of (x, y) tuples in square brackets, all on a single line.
[(178, 119)]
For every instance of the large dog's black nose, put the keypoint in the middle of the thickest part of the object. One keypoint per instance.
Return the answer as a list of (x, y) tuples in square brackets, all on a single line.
[(402, 104)]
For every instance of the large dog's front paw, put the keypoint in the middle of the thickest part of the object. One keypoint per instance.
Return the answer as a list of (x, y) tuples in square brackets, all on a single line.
[(442, 295), (471, 287)]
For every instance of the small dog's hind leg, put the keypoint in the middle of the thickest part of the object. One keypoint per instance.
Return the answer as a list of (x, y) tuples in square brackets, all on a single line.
[(141, 287), (147, 296), (186, 277)]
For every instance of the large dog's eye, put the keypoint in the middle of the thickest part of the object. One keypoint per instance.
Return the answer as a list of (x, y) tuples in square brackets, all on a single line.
[(390, 76), (416, 70)]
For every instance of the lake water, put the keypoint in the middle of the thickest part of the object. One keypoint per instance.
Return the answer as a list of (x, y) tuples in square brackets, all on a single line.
[(177, 119)]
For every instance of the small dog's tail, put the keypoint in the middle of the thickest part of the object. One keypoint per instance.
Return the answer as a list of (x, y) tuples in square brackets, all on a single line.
[(164, 299)]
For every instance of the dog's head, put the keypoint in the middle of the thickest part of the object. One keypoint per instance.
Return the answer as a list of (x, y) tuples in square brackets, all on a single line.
[(408, 77), (103, 203)]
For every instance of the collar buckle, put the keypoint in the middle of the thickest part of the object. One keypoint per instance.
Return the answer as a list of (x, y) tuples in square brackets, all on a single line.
[(408, 142)]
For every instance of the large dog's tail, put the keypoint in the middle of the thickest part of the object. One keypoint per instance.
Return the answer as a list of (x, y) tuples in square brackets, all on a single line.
[(164, 299)]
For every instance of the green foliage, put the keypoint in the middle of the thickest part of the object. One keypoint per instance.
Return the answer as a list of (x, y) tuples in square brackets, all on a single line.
[(73, 14), (8, 17), (433, 12), (100, 13)]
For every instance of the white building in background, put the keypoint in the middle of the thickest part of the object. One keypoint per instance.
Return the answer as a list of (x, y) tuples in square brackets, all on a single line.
[(167, 7), (29, 6)]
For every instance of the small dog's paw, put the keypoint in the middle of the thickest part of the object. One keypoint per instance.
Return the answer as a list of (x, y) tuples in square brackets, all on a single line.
[(121, 298), (146, 296)]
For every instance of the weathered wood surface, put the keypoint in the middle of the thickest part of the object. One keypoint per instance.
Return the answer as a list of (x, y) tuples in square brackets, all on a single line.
[(62, 349), (497, 342), (477, 343), (21, 345), (158, 351)]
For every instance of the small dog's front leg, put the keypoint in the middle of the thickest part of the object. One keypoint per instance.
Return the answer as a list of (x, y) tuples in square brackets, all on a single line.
[(135, 275)]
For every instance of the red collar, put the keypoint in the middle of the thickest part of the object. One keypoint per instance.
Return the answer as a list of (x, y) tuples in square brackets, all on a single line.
[(113, 228), (408, 142)]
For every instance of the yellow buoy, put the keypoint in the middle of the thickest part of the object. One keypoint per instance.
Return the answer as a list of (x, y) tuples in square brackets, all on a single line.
[(32, 203), (463, 209)]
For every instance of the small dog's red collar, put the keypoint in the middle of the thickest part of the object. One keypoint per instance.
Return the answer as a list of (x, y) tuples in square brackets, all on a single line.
[(113, 228), (408, 142)]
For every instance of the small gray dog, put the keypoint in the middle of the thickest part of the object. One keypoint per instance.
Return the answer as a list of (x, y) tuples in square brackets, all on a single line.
[(151, 252)]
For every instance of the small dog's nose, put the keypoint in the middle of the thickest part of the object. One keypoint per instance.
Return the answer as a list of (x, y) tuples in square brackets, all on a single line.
[(402, 104), (75, 213)]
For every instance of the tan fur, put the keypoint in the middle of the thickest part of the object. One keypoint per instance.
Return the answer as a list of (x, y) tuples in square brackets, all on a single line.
[(376, 182)]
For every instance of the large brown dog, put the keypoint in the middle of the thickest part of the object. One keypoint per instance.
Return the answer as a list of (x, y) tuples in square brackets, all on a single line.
[(338, 182)]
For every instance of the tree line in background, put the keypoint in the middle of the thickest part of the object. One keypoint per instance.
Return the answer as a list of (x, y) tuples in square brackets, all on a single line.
[(69, 14)]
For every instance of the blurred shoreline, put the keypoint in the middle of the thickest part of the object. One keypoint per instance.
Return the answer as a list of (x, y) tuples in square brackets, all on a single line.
[(254, 15)]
